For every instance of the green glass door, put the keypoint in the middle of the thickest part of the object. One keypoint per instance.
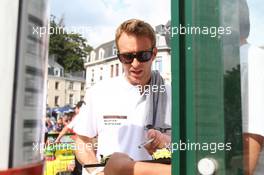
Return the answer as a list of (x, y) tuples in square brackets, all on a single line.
[(207, 128)]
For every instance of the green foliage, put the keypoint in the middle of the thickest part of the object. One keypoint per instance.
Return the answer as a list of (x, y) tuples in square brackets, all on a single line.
[(68, 48), (233, 114)]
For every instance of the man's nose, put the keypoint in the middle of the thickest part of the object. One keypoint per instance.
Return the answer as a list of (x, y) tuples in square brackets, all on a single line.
[(135, 62)]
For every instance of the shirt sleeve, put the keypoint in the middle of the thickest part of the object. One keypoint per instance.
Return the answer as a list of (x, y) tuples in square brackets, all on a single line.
[(256, 93), (85, 123)]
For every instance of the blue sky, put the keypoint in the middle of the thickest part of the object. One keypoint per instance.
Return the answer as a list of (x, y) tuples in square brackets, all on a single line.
[(104, 16)]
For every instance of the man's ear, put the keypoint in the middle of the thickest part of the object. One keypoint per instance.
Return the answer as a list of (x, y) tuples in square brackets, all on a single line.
[(155, 51)]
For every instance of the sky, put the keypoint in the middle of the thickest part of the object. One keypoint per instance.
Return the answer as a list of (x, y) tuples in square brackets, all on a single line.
[(102, 17), (256, 15)]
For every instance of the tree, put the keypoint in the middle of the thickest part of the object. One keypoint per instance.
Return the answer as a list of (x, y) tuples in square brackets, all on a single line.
[(68, 48)]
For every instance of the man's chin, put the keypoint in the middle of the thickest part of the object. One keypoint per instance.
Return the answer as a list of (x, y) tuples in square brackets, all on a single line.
[(134, 81)]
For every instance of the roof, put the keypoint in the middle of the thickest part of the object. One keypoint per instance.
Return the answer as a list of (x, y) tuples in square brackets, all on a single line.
[(53, 63), (108, 49)]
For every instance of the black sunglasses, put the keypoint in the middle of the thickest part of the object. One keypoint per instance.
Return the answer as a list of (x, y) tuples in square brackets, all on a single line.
[(141, 56)]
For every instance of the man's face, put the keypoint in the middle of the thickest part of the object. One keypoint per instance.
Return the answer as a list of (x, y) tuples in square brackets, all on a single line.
[(137, 73), (59, 121)]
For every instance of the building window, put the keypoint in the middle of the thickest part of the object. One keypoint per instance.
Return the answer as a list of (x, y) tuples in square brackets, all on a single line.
[(51, 71), (88, 58), (82, 98), (92, 79), (71, 99), (117, 69), (57, 72), (112, 71), (93, 55), (57, 85), (61, 72), (101, 73), (82, 86), (71, 85), (56, 100), (114, 50), (157, 64), (101, 54)]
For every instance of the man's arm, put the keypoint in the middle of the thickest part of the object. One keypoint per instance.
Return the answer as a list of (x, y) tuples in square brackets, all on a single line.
[(252, 148), (85, 151), (143, 168), (122, 164)]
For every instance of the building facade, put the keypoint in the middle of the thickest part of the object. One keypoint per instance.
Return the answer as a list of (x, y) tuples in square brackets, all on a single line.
[(103, 63), (62, 88)]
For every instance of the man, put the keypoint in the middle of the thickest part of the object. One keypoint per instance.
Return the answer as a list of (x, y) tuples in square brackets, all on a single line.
[(252, 85), (121, 110)]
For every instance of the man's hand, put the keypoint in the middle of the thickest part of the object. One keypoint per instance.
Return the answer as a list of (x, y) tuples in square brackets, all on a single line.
[(122, 164), (160, 141), (119, 164)]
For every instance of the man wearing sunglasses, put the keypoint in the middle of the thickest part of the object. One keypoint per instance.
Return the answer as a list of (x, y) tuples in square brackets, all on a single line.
[(119, 111)]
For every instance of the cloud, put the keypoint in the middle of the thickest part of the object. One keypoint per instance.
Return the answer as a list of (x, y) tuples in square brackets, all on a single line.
[(256, 8), (103, 16)]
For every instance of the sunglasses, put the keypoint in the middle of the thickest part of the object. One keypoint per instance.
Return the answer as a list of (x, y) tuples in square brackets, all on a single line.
[(141, 56)]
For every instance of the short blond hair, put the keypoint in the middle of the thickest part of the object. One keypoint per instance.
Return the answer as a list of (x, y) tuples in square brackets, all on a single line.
[(138, 28)]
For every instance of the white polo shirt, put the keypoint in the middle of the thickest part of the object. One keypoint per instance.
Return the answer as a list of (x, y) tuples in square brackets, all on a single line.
[(115, 111), (252, 89)]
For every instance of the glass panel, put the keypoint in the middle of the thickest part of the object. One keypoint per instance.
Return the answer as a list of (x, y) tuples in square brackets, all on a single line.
[(212, 130), (175, 78), (222, 76), (252, 83)]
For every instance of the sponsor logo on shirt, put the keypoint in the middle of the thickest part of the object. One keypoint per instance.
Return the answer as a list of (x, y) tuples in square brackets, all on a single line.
[(114, 120)]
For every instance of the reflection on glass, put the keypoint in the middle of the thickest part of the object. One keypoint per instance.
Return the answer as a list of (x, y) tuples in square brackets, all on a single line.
[(252, 87)]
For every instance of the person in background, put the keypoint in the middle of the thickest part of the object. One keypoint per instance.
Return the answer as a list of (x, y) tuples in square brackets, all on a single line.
[(49, 125), (65, 119), (59, 125), (70, 128)]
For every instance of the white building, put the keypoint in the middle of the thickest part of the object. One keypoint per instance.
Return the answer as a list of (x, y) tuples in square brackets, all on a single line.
[(63, 88), (102, 63)]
